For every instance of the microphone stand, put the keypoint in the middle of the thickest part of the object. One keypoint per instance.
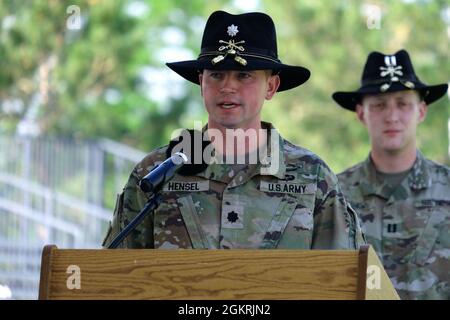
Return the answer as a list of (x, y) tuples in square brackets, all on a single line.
[(151, 205), (152, 184)]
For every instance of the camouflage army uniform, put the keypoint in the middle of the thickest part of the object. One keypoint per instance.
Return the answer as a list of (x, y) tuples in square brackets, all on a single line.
[(300, 207), (408, 226)]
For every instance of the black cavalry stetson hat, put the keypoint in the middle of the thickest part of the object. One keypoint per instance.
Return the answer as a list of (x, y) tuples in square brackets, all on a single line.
[(240, 42), (389, 73)]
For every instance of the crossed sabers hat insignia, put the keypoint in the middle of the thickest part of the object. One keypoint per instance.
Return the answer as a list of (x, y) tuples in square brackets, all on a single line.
[(392, 70), (233, 48)]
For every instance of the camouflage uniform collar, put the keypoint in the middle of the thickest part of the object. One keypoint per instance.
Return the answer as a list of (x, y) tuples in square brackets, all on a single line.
[(418, 178), (223, 172), (370, 186), (268, 161)]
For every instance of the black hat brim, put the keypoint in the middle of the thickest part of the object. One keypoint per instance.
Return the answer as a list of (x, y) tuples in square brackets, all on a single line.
[(349, 100), (290, 76)]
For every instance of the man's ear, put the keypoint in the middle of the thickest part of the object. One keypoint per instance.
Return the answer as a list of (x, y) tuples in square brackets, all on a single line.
[(423, 108), (360, 112), (200, 77), (273, 85)]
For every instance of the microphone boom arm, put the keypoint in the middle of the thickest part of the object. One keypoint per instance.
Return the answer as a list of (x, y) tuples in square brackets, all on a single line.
[(151, 205)]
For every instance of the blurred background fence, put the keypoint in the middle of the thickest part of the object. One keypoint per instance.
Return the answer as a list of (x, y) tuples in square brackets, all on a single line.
[(54, 191)]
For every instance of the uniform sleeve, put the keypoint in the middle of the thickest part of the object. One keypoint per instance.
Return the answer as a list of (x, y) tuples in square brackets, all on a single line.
[(128, 205), (335, 222)]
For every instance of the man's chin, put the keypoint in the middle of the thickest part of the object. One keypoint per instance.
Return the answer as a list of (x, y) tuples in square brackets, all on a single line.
[(392, 144), (231, 124), (393, 149)]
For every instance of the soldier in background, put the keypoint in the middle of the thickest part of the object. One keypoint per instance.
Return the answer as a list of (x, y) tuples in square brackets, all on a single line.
[(402, 198), (286, 198)]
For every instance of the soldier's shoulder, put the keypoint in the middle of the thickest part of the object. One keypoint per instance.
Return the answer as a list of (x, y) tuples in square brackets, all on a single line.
[(153, 158), (438, 170), (353, 172), (302, 157)]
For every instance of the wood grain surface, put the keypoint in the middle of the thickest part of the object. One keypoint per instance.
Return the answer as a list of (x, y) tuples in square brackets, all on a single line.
[(202, 274)]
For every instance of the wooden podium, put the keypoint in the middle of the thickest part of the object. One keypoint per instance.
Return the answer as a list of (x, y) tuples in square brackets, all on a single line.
[(213, 274)]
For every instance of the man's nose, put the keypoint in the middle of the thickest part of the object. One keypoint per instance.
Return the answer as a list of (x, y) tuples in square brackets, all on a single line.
[(392, 111), (229, 84)]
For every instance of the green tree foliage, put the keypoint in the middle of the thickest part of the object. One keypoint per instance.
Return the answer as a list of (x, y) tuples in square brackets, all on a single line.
[(93, 81), (108, 78)]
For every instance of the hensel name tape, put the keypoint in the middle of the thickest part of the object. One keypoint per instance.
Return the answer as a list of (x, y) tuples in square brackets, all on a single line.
[(187, 186)]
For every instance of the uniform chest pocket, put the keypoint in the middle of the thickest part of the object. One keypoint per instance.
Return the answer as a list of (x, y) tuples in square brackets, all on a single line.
[(279, 221), (292, 226), (192, 222), (434, 214), (169, 223)]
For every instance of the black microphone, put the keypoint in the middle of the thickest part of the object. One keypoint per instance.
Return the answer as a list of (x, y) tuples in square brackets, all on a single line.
[(158, 176), (193, 148)]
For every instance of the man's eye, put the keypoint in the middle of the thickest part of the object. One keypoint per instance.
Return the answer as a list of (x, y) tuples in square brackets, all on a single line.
[(379, 105), (244, 75), (215, 75)]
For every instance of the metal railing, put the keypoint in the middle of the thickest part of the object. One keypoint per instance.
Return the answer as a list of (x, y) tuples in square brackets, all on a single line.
[(54, 191)]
